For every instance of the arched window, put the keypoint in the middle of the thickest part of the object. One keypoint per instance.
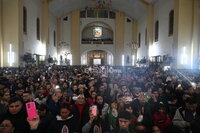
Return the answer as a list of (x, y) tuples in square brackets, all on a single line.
[(38, 28), (156, 30), (54, 38), (146, 36), (24, 20), (139, 40), (171, 22)]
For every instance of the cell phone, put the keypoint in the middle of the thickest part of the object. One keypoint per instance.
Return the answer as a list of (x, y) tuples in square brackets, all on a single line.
[(31, 110), (94, 110)]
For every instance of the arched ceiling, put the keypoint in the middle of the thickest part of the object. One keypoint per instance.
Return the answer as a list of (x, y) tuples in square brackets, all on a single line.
[(132, 8)]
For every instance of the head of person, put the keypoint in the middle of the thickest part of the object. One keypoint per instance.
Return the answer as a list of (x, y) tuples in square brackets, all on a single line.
[(99, 99), (191, 104), (65, 111), (156, 129), (124, 120), (161, 108), (57, 92), (15, 105), (81, 99), (27, 97), (42, 109), (141, 98), (6, 96), (93, 94), (19, 91), (7, 126)]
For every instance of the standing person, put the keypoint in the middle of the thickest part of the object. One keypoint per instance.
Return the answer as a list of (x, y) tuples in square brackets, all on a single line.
[(64, 122), (95, 124), (124, 121), (161, 119), (185, 116), (17, 114), (55, 101), (80, 111)]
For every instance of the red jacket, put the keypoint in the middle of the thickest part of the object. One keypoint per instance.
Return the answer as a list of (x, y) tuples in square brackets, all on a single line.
[(161, 120)]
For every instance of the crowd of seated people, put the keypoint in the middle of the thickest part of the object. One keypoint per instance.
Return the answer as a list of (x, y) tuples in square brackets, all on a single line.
[(138, 100)]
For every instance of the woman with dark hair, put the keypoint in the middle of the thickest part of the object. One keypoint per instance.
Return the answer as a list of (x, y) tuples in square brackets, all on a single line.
[(64, 122), (102, 106)]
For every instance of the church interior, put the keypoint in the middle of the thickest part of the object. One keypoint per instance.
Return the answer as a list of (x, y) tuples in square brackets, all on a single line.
[(100, 32)]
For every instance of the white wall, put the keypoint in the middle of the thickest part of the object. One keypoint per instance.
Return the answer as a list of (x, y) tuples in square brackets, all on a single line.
[(66, 34), (31, 44), (142, 25), (51, 49), (162, 9), (127, 40)]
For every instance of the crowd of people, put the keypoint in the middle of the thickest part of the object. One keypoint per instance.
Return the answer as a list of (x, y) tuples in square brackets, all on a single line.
[(135, 100)]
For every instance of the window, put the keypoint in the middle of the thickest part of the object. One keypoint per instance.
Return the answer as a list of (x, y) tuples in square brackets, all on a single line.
[(24, 20), (146, 36), (156, 30), (139, 40), (54, 38), (91, 14), (171, 22), (103, 14), (82, 14), (38, 28)]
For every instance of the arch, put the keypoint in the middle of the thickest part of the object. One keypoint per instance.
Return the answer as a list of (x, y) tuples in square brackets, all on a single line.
[(108, 59), (89, 33)]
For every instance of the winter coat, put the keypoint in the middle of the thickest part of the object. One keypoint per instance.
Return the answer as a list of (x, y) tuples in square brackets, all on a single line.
[(58, 125)]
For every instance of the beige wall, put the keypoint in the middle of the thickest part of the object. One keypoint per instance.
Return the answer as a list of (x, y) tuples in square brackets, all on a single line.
[(150, 18), (119, 38), (75, 37), (184, 33), (135, 38), (195, 41), (1, 37), (45, 23), (11, 28)]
